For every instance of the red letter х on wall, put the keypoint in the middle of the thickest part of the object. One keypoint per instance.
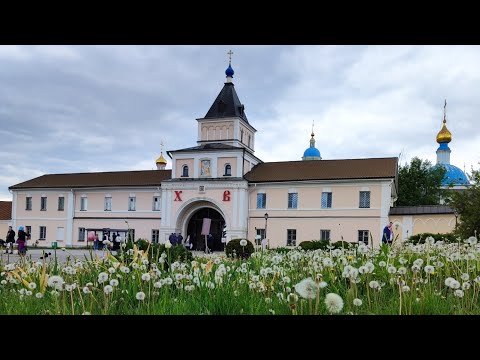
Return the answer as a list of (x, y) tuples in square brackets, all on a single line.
[(226, 195), (177, 195)]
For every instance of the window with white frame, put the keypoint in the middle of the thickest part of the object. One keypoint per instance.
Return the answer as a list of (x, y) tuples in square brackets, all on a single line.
[(131, 203), (83, 203), (292, 200), (325, 235), (185, 171), (261, 201), (326, 200), (81, 234), (291, 237), (155, 235), (228, 170), (363, 236), (61, 203), (43, 203), (43, 233), (107, 203), (364, 199), (156, 203), (28, 203)]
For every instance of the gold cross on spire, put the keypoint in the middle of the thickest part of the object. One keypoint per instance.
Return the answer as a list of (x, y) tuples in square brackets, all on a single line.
[(313, 124), (230, 53), (445, 112), (161, 146)]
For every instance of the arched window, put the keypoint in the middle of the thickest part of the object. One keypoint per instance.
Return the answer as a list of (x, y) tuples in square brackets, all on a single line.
[(228, 170), (185, 171)]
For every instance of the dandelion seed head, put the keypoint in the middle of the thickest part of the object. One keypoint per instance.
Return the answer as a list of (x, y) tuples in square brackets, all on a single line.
[(357, 302), (334, 303)]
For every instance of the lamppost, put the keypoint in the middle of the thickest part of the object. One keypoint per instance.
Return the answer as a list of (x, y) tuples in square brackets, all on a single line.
[(266, 219), (456, 217)]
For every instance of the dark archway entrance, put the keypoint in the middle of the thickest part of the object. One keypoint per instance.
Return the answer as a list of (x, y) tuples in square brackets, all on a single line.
[(194, 229)]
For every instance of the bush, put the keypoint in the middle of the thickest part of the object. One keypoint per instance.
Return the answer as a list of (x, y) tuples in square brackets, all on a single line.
[(342, 244), (420, 238), (314, 244), (243, 252), (175, 253), (282, 250)]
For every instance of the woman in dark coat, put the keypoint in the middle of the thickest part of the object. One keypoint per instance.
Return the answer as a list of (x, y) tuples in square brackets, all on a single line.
[(22, 241)]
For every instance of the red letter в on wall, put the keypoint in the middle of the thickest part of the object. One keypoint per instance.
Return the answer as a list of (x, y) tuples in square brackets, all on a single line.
[(177, 195), (226, 195)]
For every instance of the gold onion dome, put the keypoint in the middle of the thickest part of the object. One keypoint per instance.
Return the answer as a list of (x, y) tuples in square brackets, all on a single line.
[(161, 160), (444, 136)]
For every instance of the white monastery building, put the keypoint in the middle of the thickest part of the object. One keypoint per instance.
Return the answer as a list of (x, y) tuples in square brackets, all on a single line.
[(220, 178)]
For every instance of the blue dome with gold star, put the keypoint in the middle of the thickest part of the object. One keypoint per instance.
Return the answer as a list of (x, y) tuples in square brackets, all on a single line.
[(311, 151), (454, 175)]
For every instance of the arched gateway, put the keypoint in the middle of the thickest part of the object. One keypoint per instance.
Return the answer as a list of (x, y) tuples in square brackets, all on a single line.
[(191, 220)]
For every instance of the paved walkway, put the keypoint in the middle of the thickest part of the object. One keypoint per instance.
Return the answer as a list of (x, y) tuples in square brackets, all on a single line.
[(80, 254)]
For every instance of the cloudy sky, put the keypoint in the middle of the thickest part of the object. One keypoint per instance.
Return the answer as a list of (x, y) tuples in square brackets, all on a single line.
[(106, 108)]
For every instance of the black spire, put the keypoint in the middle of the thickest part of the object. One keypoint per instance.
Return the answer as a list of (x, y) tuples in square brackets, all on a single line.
[(227, 104)]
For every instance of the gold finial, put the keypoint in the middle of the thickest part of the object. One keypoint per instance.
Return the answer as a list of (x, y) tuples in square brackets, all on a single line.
[(161, 159), (444, 136), (230, 53)]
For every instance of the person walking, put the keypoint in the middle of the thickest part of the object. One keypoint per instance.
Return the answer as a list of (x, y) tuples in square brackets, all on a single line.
[(22, 241), (10, 240), (387, 237)]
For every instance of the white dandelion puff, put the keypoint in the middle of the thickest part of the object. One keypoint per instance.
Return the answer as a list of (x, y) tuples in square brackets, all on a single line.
[(56, 282), (357, 302), (102, 277), (429, 269), (140, 296), (334, 303), (307, 288)]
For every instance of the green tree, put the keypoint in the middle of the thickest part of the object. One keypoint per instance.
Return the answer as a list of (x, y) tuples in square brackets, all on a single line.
[(419, 183), (466, 204)]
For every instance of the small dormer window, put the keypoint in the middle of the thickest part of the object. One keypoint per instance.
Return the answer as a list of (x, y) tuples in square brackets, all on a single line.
[(221, 107), (241, 110), (228, 170), (185, 171)]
